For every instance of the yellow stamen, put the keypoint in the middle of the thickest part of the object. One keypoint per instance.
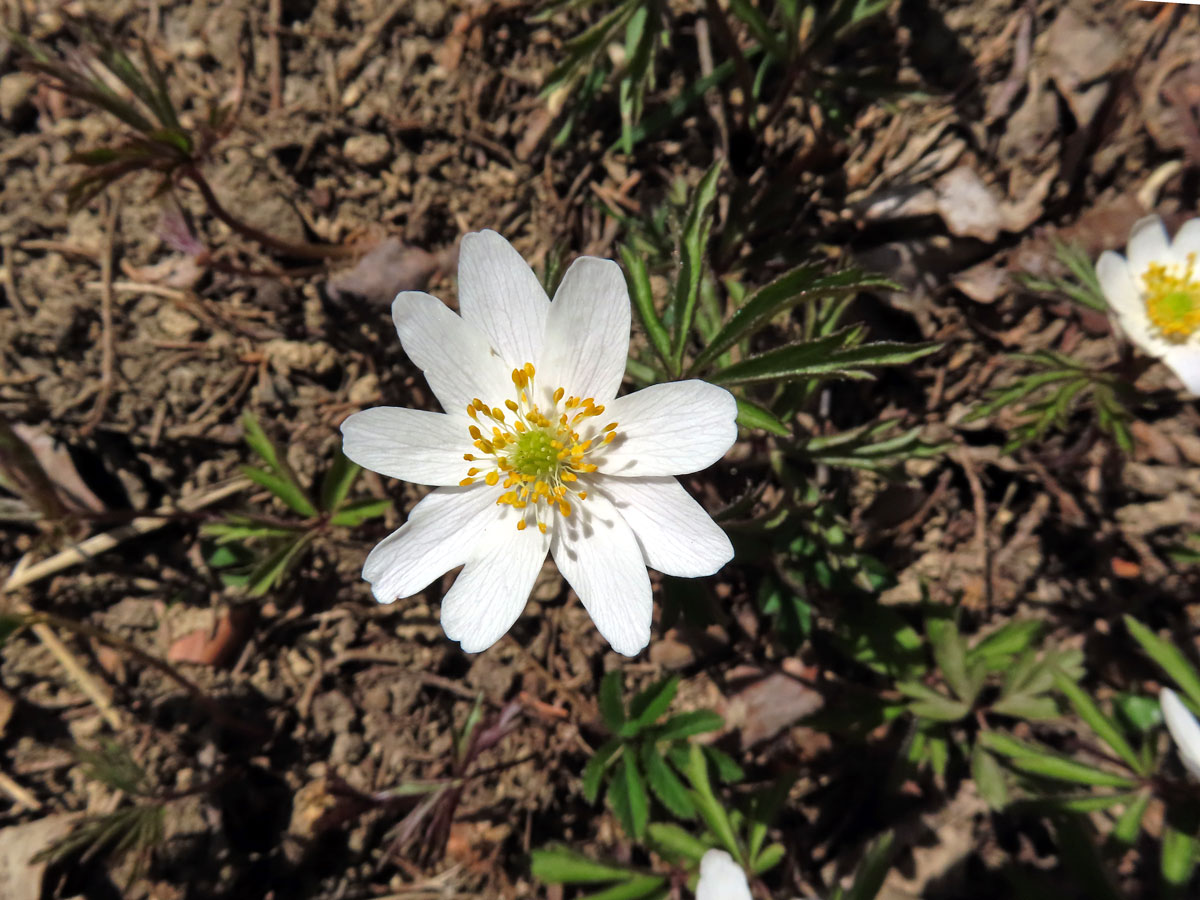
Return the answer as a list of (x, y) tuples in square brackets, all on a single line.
[(1172, 297)]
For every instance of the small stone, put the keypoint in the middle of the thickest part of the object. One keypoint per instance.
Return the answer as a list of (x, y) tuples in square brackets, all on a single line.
[(175, 323), (367, 150), (364, 391), (15, 89)]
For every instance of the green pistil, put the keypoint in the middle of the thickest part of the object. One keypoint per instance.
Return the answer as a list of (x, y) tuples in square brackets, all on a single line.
[(533, 454)]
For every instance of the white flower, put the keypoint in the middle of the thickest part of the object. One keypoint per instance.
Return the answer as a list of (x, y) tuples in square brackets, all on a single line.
[(721, 878), (1155, 294), (1184, 728), (536, 453)]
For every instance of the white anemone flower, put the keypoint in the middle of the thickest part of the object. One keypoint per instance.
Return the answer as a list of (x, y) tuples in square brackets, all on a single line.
[(536, 453), (1155, 293), (721, 878), (1184, 729)]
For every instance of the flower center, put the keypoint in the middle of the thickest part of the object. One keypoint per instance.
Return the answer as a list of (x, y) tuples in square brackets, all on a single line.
[(1173, 299), (539, 453)]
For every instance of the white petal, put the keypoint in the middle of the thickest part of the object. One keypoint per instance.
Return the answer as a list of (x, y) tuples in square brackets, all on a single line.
[(1184, 728), (1147, 244), (598, 555), (721, 878), (493, 588), (587, 331), (498, 292), (1187, 240), (1184, 360), (1124, 297), (440, 534), (455, 356), (669, 429), (676, 535), (409, 444)]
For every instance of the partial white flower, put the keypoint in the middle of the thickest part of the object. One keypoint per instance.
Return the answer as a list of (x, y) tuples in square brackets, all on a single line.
[(721, 878), (1154, 291), (535, 452), (1184, 729)]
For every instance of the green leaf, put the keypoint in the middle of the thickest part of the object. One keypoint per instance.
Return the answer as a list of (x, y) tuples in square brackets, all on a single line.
[(338, 480), (950, 653), (1036, 761), (710, 808), (612, 709), (351, 515), (727, 769), (637, 887), (1126, 829), (1077, 849), (258, 440), (1009, 640), (271, 571), (989, 778), (691, 252), (627, 796), (676, 842), (1178, 856), (651, 703), (643, 301), (929, 704), (1035, 708), (771, 856), (687, 724), (751, 415), (666, 784), (868, 880), (559, 865), (593, 772), (803, 284), (837, 355), (1169, 658), (287, 491), (1104, 727), (10, 624)]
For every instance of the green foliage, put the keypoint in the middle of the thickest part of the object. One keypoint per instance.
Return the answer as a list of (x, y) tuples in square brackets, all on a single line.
[(257, 552), (1080, 285), (156, 142), (645, 756), (787, 39), (1055, 387), (135, 830)]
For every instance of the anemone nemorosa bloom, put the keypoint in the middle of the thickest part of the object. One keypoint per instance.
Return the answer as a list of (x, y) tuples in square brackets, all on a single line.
[(1184, 729), (1154, 291), (721, 878), (536, 453)]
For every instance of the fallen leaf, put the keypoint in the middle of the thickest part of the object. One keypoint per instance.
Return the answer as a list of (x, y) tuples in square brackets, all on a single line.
[(214, 646), (770, 705), (387, 270), (55, 461)]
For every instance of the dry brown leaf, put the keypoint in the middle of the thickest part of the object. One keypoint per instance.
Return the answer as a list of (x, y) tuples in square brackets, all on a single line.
[(21, 879), (212, 646)]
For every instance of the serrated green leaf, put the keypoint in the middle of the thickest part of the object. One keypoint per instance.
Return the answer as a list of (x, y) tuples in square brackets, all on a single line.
[(270, 573), (751, 415), (950, 653), (655, 700), (803, 284), (559, 865), (727, 769), (1035, 708), (666, 784), (258, 441), (593, 772), (710, 809)]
